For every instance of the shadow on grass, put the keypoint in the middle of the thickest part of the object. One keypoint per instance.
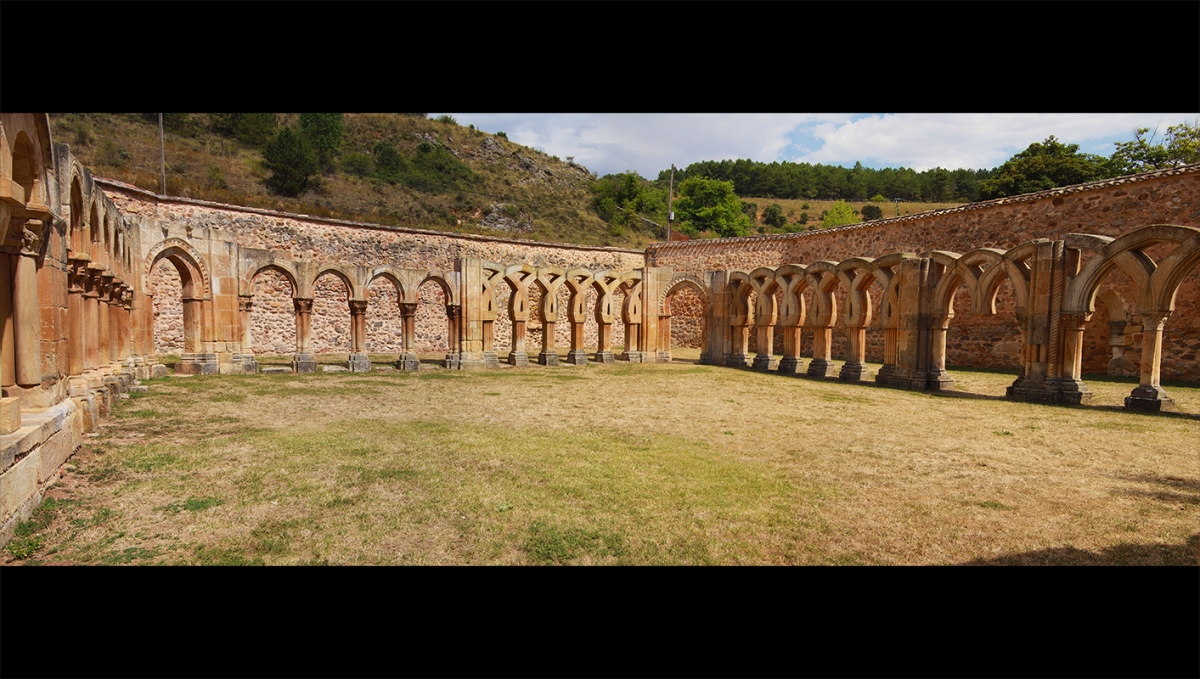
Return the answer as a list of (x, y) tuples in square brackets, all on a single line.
[(1183, 554)]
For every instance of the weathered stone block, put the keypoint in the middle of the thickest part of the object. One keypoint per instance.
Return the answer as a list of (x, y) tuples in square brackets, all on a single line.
[(549, 358), (53, 453), (19, 482), (491, 360), (304, 363), (631, 356), (518, 358), (790, 365), (738, 360), (10, 415), (856, 372), (1150, 399), (359, 363), (819, 367), (408, 362), (765, 362), (604, 357), (577, 357), (158, 370)]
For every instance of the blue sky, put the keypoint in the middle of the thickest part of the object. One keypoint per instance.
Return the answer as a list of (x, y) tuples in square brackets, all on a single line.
[(649, 142)]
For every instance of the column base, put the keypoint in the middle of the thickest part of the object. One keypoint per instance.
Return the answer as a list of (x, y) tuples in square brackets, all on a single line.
[(577, 357), (855, 372), (1150, 399), (938, 380), (604, 357), (198, 364), (884, 375), (408, 362), (1074, 392), (452, 362), (1068, 391), (490, 360), (549, 358), (358, 363), (819, 367), (247, 362), (304, 363), (791, 365), (662, 356), (518, 358), (738, 360), (631, 356), (10, 415), (158, 370), (765, 362)]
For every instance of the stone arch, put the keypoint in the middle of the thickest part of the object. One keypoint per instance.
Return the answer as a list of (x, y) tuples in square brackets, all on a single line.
[(1171, 271), (384, 324), (189, 263), (348, 279), (683, 329), (25, 169), (332, 289), (75, 238), (1126, 252), (386, 274), (679, 281), (281, 267), (449, 290)]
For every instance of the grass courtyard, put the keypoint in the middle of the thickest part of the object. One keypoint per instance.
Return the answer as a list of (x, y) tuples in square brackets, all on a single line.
[(620, 464)]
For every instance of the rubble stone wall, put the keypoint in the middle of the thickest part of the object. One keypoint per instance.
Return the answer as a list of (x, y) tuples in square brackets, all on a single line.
[(1109, 208)]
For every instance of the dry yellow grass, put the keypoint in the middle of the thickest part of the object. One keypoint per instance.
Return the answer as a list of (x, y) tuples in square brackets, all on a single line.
[(636, 464)]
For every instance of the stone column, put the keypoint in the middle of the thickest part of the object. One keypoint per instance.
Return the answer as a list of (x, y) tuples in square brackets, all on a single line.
[(739, 357), (123, 326), (855, 369), (764, 357), (518, 356), (453, 337), (77, 272), (936, 376), (91, 318), (577, 355), (791, 364), (104, 334), (604, 352), (663, 355), (303, 361), (548, 355), (26, 317), (246, 356), (632, 337), (1074, 391), (821, 364), (358, 362), (408, 359), (114, 322), (1150, 395), (10, 407), (889, 356), (8, 343)]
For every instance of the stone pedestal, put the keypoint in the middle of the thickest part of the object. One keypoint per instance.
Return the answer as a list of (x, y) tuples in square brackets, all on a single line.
[(577, 357), (662, 356), (10, 415), (819, 367), (549, 358), (359, 363), (604, 357), (408, 362), (1150, 399), (304, 363), (856, 372), (632, 356), (938, 380), (518, 358), (199, 364), (158, 370), (247, 363), (491, 360), (738, 360), (765, 362), (1074, 392), (791, 365)]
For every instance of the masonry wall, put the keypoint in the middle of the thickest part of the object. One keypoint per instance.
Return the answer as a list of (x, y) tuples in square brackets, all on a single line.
[(297, 237), (1108, 208)]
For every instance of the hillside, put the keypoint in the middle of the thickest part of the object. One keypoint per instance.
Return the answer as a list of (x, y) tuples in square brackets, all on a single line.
[(513, 190)]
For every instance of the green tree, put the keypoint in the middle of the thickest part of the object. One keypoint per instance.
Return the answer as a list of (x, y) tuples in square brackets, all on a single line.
[(711, 205), (292, 162), (839, 214), (324, 132), (773, 216), (1043, 166), (390, 166), (872, 212), (255, 129), (1180, 146)]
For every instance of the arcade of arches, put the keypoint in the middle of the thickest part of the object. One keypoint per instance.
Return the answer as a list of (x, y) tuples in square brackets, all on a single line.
[(98, 280)]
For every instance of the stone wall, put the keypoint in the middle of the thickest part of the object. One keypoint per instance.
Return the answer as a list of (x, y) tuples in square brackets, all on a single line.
[(323, 240), (1108, 208)]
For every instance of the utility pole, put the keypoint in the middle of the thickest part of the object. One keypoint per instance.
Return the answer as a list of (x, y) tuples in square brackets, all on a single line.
[(162, 150), (670, 194)]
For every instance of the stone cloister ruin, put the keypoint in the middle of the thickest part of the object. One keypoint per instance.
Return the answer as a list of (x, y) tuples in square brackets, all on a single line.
[(99, 280)]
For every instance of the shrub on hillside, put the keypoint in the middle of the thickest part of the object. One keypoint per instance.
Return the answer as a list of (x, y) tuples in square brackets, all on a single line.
[(839, 214), (292, 162), (751, 210), (255, 129), (870, 212), (358, 164), (324, 132), (447, 118), (773, 216), (878, 198)]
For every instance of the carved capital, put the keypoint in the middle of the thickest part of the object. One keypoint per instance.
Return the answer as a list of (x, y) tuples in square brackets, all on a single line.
[(31, 237), (245, 304), (358, 307), (408, 309), (453, 311), (1152, 321), (1075, 321), (303, 306)]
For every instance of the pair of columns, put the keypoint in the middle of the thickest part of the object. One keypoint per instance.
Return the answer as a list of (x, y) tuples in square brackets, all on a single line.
[(518, 356)]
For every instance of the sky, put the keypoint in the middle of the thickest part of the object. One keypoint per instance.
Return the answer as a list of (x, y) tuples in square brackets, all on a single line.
[(650, 142)]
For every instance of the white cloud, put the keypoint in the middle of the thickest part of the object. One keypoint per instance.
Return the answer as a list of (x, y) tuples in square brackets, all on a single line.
[(648, 143)]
